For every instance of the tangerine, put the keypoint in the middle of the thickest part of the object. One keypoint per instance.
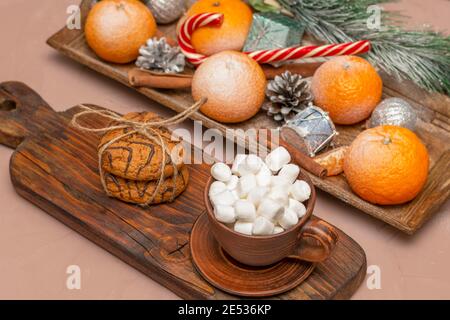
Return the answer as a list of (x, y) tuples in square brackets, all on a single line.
[(386, 165), (116, 29), (348, 88), (234, 85)]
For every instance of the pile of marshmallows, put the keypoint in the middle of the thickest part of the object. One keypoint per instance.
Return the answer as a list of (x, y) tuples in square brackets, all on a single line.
[(259, 197)]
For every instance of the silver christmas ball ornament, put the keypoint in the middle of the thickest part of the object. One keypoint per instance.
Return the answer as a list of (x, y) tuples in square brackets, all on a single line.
[(394, 111), (166, 11), (314, 127)]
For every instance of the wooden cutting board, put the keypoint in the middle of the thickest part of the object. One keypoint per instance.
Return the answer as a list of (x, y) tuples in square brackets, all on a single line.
[(55, 167), (433, 129)]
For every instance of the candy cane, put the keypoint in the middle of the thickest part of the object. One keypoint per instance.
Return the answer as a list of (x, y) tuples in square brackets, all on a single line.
[(263, 56), (294, 53), (189, 26)]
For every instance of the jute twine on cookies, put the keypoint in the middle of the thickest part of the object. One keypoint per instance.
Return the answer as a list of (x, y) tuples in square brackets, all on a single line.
[(147, 129)]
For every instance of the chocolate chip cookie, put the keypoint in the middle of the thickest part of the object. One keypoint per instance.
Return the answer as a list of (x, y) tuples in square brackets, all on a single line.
[(135, 157), (140, 192)]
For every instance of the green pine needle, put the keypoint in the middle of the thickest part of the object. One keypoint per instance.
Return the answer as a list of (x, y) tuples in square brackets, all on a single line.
[(421, 56)]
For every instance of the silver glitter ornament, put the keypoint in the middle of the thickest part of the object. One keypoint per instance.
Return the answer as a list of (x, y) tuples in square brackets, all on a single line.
[(396, 112), (166, 11), (315, 127)]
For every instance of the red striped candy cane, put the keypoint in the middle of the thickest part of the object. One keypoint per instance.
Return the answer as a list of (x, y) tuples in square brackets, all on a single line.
[(263, 56), (294, 53), (189, 26)]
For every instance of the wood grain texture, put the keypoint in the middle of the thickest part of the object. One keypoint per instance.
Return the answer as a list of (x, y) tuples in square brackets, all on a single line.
[(433, 129), (55, 167)]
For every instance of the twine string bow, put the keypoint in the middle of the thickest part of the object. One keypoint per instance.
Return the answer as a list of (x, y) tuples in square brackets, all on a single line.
[(148, 129)]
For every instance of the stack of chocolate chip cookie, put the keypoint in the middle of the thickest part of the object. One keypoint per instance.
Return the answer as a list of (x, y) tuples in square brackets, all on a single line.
[(132, 165)]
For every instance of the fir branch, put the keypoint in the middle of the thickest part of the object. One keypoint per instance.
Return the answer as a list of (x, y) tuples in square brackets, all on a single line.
[(421, 56)]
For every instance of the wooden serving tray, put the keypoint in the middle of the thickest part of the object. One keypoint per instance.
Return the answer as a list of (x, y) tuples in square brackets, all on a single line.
[(55, 166), (433, 129)]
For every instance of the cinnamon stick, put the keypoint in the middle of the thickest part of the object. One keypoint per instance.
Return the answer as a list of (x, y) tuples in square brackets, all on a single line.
[(290, 140), (142, 78)]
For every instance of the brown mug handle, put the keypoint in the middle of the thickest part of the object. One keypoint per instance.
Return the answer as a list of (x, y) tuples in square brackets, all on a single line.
[(317, 240)]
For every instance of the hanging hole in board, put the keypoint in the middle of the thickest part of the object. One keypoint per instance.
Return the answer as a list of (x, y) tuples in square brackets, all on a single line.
[(7, 104)]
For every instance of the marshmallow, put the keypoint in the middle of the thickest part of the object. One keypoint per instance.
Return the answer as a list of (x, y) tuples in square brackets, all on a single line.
[(246, 184), (245, 210), (256, 195), (232, 183), (243, 170), (237, 161), (224, 198), (289, 172), (269, 209), (262, 227), (253, 163), (280, 194), (280, 181), (277, 159), (252, 200), (263, 177), (217, 187), (244, 227), (220, 171), (298, 207), (288, 219), (225, 214), (278, 230), (300, 190)]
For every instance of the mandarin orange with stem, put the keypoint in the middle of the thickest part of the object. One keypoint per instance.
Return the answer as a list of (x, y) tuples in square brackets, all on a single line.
[(116, 29), (234, 85), (387, 165), (348, 88)]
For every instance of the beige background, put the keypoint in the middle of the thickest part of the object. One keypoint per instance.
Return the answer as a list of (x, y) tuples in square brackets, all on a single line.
[(35, 249)]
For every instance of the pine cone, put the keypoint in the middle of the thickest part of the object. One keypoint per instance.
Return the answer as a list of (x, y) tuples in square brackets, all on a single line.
[(157, 55), (288, 95)]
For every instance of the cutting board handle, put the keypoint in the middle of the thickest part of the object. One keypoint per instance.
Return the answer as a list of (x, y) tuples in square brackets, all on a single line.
[(22, 112)]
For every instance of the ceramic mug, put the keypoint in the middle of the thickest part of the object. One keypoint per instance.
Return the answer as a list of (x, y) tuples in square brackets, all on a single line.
[(311, 239)]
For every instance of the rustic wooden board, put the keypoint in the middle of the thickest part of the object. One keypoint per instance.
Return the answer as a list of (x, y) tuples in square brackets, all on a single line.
[(433, 129), (55, 167)]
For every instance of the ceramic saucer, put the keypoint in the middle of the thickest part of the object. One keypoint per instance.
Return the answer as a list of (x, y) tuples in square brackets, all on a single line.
[(227, 274)]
